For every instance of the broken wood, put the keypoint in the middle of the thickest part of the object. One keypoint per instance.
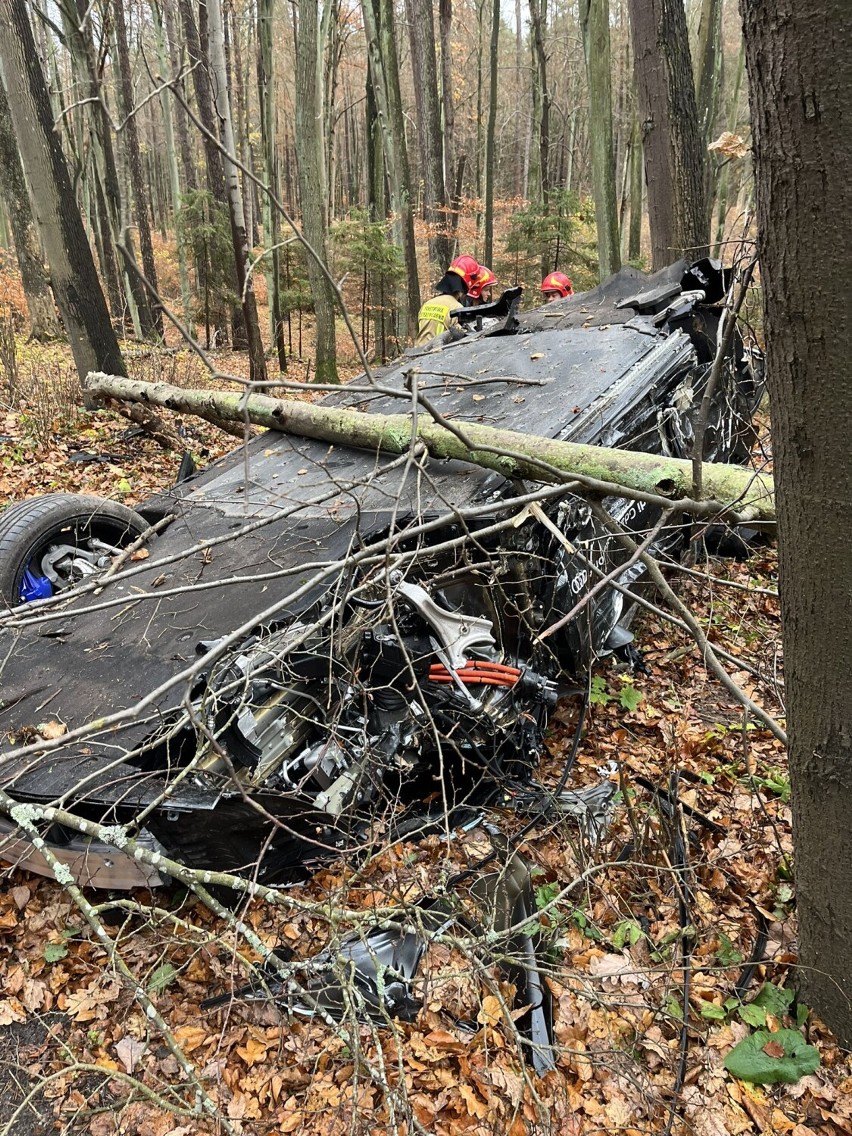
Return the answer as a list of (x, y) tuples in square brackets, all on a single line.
[(514, 454)]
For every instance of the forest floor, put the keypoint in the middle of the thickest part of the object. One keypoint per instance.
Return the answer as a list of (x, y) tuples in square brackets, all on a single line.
[(77, 1054)]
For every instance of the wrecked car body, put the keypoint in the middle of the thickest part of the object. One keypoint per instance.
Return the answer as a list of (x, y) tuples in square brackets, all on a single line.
[(326, 645)]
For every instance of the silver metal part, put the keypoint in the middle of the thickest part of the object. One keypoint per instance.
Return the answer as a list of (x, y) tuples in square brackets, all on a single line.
[(91, 863), (457, 633), (77, 560)]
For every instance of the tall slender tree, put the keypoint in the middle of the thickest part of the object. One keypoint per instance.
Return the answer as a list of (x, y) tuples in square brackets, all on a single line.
[(213, 155), (445, 21), (424, 62), (222, 108), (13, 186), (594, 21), (538, 179), (379, 26), (75, 281), (79, 38), (674, 160), (310, 154), (151, 310), (269, 138), (167, 104), (799, 59), (488, 242)]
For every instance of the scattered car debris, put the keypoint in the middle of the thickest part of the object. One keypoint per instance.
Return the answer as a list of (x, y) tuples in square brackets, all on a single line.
[(371, 974)]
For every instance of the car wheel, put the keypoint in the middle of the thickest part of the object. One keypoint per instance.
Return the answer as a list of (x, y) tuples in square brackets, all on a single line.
[(49, 543)]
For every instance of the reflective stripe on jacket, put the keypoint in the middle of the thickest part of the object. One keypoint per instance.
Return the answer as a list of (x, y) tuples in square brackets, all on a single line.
[(434, 317)]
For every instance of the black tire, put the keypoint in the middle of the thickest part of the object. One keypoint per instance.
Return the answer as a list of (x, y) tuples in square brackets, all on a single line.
[(30, 528)]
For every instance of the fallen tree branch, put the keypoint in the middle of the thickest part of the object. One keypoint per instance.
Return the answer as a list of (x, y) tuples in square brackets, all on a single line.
[(513, 454)]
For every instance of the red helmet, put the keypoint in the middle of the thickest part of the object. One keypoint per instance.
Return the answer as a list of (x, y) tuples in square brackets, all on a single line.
[(557, 282), (483, 279), (466, 267)]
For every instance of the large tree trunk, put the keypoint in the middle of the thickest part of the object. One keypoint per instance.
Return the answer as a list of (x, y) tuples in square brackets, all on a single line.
[(594, 20), (213, 155), (424, 63), (725, 175), (75, 281), (150, 314), (77, 19), (799, 59), (445, 19), (384, 67), (393, 433), (312, 186), (181, 121), (708, 69), (674, 160), (269, 134), (43, 322), (222, 107), (537, 182), (634, 236), (172, 159), (488, 243)]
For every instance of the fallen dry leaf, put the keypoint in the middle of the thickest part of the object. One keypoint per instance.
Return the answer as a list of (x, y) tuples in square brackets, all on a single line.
[(51, 730), (128, 1051)]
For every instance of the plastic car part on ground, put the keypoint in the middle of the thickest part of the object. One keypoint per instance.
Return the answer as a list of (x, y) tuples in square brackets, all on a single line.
[(372, 974)]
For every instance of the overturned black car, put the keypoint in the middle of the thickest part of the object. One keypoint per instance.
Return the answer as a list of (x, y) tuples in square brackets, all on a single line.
[(325, 645)]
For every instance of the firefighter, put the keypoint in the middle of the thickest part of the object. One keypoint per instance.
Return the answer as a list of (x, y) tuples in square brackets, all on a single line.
[(467, 267), (434, 317), (479, 290), (556, 286)]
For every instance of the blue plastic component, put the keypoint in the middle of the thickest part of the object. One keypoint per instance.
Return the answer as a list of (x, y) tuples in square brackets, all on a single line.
[(35, 587)]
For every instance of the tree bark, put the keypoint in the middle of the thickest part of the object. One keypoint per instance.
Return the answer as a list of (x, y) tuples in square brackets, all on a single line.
[(181, 122), (312, 184), (445, 20), (392, 433), (634, 236), (594, 21), (725, 175), (171, 159), (674, 161), (708, 69), (539, 180), (75, 281), (222, 107), (799, 60), (215, 166), (488, 242), (269, 134), (43, 322), (424, 63), (150, 314), (384, 67)]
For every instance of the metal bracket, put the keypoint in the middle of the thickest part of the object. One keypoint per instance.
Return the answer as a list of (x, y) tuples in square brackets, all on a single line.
[(456, 632)]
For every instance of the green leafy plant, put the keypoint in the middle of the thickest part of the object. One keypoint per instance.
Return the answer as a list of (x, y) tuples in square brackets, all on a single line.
[(53, 952), (162, 978), (766, 1058), (726, 953), (627, 695), (627, 932), (204, 230), (770, 999), (775, 782)]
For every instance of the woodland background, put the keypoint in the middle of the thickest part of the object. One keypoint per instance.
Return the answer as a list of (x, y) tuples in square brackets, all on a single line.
[(515, 133)]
